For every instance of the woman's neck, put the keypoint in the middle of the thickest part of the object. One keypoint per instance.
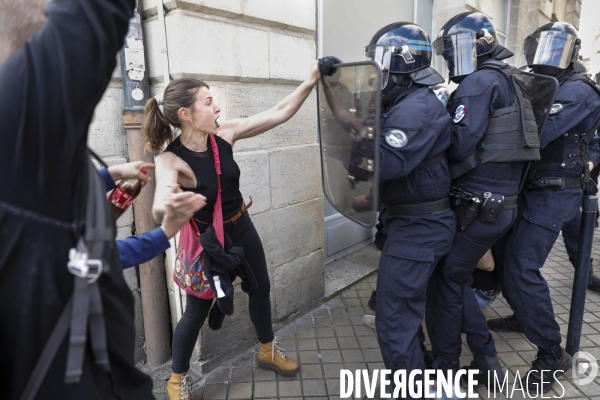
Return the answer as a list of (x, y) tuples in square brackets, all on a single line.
[(195, 141)]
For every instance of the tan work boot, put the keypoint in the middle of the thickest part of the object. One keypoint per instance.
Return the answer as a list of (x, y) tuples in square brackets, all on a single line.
[(179, 387), (270, 355)]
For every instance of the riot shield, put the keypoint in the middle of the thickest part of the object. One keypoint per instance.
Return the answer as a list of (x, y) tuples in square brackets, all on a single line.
[(349, 104), (542, 90)]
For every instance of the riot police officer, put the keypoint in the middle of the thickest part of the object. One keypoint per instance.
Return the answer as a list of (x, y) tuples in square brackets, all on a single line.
[(492, 137), (552, 196), (414, 187)]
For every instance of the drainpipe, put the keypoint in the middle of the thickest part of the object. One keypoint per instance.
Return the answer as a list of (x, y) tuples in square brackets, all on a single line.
[(164, 52), (415, 11), (152, 273)]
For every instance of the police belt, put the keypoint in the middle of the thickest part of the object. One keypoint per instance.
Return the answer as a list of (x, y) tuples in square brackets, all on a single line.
[(555, 183), (432, 207), (509, 202)]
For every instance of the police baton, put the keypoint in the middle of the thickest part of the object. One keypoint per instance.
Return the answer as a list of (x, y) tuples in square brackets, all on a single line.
[(582, 269)]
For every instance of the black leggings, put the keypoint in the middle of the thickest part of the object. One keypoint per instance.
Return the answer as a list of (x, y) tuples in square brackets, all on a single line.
[(242, 234)]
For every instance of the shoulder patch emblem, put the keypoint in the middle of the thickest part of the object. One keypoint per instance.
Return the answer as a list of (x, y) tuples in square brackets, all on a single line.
[(460, 113), (396, 138), (556, 107)]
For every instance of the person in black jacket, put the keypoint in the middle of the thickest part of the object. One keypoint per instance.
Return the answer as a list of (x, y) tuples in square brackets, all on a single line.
[(50, 83)]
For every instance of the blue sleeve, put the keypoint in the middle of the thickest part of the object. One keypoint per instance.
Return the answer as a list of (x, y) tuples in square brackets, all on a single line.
[(474, 100), (413, 122), (135, 250), (572, 101), (594, 149), (108, 181)]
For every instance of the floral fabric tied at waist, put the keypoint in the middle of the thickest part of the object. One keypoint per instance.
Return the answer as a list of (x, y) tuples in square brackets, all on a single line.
[(232, 219)]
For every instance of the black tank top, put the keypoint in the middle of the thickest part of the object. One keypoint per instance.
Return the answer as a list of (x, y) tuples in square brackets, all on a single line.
[(203, 165)]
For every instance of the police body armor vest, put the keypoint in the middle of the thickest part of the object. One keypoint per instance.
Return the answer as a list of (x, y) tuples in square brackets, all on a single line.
[(512, 132), (571, 149)]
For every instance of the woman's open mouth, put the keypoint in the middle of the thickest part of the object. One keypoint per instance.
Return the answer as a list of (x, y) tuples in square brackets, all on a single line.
[(216, 122)]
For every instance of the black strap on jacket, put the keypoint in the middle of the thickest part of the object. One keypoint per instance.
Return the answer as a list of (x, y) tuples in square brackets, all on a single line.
[(464, 166), (432, 207), (84, 307)]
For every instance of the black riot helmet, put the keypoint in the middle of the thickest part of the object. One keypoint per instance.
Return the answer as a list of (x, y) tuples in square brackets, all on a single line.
[(403, 51), (551, 49), (463, 40)]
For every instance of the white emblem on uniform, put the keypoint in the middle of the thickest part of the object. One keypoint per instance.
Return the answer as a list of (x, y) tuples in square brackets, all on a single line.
[(556, 107), (396, 138), (460, 113)]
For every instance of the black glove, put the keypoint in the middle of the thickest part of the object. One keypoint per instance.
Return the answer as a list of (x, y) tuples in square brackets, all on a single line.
[(326, 65), (590, 187)]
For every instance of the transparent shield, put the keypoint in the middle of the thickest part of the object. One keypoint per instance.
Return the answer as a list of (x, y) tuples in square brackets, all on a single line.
[(542, 90), (349, 110)]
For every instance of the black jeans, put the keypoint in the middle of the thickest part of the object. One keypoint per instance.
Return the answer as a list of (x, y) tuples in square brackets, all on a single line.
[(242, 234)]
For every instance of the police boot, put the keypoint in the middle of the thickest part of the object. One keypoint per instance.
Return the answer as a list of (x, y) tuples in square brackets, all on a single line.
[(445, 367), (372, 300), (506, 324), (593, 283), (179, 387), (593, 280), (548, 365), (488, 366), (270, 355)]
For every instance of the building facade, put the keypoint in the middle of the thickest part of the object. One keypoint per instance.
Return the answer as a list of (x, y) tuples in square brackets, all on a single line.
[(252, 53)]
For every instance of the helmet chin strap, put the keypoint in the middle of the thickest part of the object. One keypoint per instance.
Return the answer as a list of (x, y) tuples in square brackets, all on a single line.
[(558, 73), (400, 83)]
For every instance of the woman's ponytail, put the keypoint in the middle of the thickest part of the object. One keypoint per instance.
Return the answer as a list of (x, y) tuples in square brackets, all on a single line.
[(155, 127)]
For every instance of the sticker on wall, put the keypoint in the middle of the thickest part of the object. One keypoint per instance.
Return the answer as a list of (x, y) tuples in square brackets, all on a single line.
[(137, 94)]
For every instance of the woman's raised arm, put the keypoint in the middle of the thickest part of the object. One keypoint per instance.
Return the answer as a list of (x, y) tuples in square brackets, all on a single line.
[(237, 129)]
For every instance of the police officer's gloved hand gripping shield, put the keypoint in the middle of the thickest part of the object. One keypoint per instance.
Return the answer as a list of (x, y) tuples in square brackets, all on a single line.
[(326, 65)]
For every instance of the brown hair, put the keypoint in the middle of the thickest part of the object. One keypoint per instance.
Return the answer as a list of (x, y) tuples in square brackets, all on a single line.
[(180, 93)]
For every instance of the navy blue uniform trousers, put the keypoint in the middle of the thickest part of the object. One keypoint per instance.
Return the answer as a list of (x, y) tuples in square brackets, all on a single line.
[(451, 304), (414, 246), (543, 214)]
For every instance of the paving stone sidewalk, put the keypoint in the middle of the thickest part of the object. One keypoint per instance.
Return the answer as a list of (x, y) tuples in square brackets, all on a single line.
[(333, 337)]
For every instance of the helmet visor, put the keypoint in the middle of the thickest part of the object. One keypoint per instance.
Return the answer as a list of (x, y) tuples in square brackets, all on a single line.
[(552, 48), (457, 52), (381, 55), (401, 59)]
